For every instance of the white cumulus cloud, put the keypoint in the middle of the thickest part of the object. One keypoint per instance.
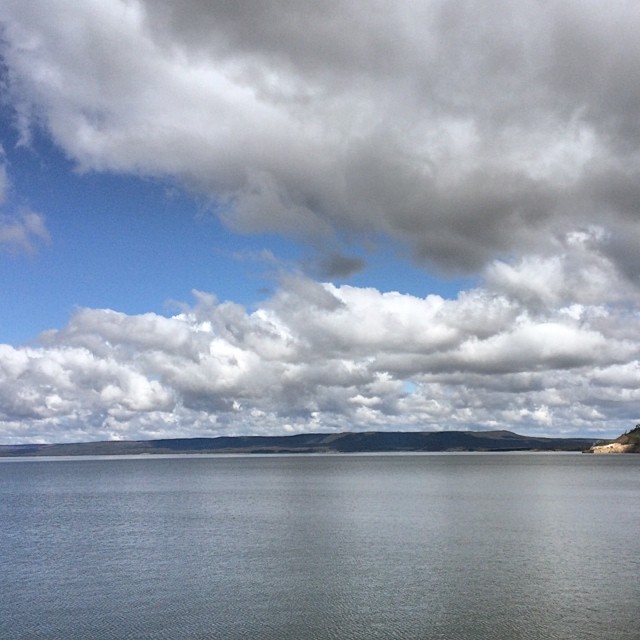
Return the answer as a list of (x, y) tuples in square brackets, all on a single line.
[(316, 356)]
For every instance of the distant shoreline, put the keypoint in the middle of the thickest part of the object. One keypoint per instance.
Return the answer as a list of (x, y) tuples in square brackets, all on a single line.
[(348, 442)]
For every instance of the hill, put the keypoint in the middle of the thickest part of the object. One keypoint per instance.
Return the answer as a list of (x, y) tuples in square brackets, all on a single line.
[(626, 443), (373, 442)]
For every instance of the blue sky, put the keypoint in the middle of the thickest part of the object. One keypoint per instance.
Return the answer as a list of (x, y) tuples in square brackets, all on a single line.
[(137, 244), (268, 217), (122, 242)]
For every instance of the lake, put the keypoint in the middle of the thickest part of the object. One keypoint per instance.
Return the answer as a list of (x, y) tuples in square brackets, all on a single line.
[(321, 547)]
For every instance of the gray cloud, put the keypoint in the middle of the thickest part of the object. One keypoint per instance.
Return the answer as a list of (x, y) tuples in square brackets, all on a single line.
[(335, 265), (466, 130)]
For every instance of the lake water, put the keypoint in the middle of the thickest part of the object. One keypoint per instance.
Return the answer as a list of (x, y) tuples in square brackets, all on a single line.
[(432, 546)]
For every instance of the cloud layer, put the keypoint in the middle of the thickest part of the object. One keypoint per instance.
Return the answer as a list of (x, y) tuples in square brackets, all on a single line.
[(464, 130), (493, 138), (552, 358)]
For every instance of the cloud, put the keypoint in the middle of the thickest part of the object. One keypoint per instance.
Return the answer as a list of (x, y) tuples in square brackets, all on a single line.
[(22, 232), (337, 265), (497, 138), (468, 131), (4, 179), (321, 357)]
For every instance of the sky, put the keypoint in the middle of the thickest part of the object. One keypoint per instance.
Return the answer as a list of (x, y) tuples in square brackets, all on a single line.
[(283, 217)]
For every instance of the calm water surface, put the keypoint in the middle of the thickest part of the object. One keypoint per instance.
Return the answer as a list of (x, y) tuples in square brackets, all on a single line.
[(452, 547)]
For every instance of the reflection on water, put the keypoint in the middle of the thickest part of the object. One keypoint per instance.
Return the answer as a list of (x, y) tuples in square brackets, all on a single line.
[(454, 546)]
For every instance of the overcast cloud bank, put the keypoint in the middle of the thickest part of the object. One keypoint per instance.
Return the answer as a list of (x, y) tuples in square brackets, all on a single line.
[(498, 138), (465, 130)]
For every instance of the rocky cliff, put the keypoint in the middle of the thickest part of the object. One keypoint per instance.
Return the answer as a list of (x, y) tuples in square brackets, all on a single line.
[(627, 443)]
